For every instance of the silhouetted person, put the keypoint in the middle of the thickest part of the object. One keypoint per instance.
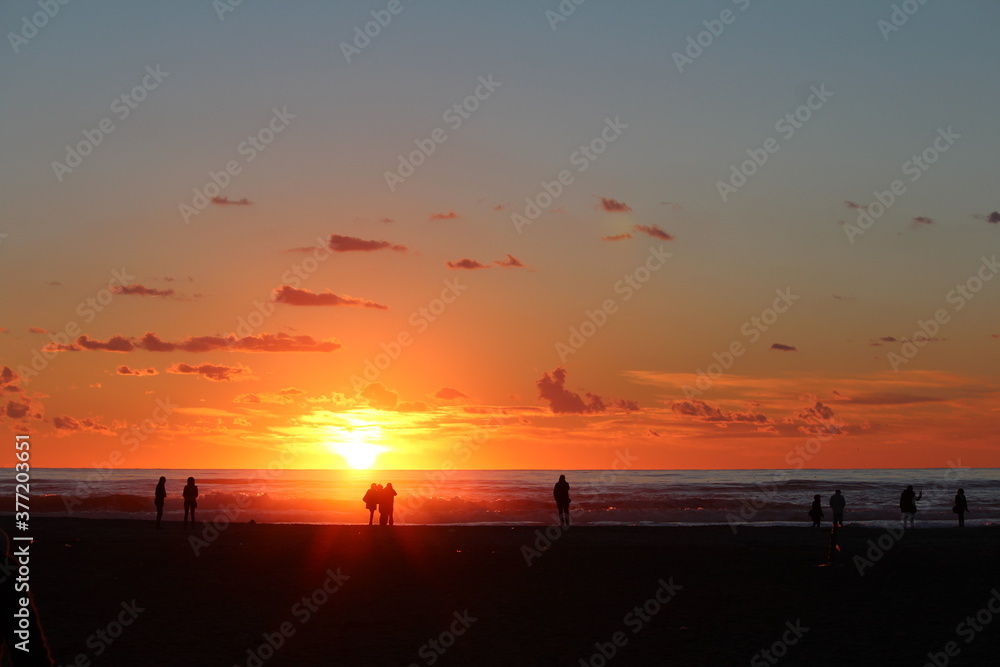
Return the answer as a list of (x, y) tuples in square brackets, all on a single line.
[(816, 511), (561, 493), (837, 505), (908, 504), (388, 500), (158, 497), (961, 507), (383, 516), (190, 500), (10, 604), (371, 502)]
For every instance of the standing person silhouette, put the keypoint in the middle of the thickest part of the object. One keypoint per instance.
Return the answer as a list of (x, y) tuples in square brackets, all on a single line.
[(371, 502), (908, 504), (388, 500), (190, 500), (961, 507), (837, 505), (561, 493), (158, 496), (816, 511), (383, 512)]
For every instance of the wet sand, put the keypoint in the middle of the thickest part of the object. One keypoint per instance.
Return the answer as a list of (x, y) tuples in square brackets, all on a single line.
[(355, 595)]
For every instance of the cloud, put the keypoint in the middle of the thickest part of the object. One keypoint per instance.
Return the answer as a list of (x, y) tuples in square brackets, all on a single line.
[(448, 215), (713, 414), (85, 425), (853, 205), (125, 370), (654, 231), (226, 201), (281, 397), (613, 205), (466, 264), (508, 262), (921, 220), (340, 243), (140, 290), (213, 372), (617, 237), (150, 342), (448, 393), (16, 409), (303, 297), (386, 220), (553, 389), (36, 330), (993, 218), (379, 397), (784, 348)]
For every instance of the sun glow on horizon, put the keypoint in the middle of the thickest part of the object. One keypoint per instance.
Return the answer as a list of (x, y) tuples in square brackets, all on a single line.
[(356, 446)]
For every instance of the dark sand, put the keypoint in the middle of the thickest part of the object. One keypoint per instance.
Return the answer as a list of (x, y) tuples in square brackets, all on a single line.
[(406, 583)]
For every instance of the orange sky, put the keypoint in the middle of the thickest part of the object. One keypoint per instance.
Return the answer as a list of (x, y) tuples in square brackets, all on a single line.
[(488, 227)]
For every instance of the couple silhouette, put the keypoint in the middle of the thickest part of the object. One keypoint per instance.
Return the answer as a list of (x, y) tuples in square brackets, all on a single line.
[(190, 499), (382, 499)]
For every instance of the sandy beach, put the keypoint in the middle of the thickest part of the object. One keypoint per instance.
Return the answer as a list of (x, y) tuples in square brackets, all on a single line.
[(355, 595)]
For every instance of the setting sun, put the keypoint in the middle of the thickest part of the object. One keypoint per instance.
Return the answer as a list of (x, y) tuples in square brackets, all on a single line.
[(356, 447)]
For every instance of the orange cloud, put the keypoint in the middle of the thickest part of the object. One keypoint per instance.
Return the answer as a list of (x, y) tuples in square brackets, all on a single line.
[(125, 370), (213, 372), (613, 205), (449, 215), (303, 297), (140, 290), (150, 342), (654, 231)]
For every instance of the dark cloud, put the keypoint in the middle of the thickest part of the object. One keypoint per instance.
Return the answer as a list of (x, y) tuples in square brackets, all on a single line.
[(125, 370), (140, 290), (213, 372), (84, 425), (150, 342), (654, 231), (340, 243), (553, 389), (613, 205), (617, 237), (466, 264), (226, 201), (784, 348), (303, 297), (993, 218)]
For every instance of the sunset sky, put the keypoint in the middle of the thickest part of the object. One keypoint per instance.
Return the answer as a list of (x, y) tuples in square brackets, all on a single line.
[(559, 334)]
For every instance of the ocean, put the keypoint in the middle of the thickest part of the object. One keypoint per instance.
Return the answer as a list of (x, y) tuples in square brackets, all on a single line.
[(512, 497)]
